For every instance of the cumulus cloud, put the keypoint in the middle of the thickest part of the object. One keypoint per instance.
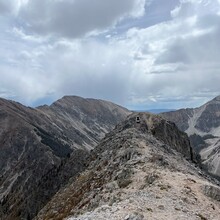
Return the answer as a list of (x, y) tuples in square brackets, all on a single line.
[(171, 64), (74, 19)]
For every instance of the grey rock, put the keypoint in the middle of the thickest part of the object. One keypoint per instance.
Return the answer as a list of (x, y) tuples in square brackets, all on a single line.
[(161, 207), (134, 216), (151, 178), (212, 192)]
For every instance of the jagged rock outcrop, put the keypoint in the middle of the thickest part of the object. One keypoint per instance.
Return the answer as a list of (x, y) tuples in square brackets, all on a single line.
[(203, 127), (163, 130), (137, 172), (42, 148)]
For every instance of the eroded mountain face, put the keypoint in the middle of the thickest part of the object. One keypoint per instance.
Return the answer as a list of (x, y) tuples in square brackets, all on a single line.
[(141, 170), (41, 149), (203, 127)]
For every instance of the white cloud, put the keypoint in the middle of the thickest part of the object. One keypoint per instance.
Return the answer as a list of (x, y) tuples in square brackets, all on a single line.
[(195, 7)]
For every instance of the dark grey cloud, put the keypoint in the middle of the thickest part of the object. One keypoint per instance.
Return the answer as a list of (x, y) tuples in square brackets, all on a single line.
[(74, 19), (175, 53), (6, 6)]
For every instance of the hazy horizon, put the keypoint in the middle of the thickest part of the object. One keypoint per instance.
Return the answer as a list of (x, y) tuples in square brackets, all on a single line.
[(156, 110)]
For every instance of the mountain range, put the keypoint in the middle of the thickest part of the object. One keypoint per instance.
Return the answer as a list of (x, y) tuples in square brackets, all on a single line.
[(42, 148), (82, 159)]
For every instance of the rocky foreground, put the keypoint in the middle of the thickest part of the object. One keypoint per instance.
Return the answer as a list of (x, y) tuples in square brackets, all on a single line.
[(139, 171)]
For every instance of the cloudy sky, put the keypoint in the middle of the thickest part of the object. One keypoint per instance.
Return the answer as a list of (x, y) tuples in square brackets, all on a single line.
[(142, 54)]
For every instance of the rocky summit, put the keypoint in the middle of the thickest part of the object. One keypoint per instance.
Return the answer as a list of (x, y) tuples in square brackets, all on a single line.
[(141, 170), (42, 148), (203, 127)]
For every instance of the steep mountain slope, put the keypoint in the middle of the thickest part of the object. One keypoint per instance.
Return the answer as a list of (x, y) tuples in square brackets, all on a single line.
[(203, 126), (84, 120), (40, 149), (139, 171)]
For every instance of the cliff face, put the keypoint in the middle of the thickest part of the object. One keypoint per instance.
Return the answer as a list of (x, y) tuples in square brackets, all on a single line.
[(203, 127), (140, 170), (41, 149)]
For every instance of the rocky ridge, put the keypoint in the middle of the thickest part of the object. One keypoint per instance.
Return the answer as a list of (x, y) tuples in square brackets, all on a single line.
[(203, 127), (140, 170), (42, 148)]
